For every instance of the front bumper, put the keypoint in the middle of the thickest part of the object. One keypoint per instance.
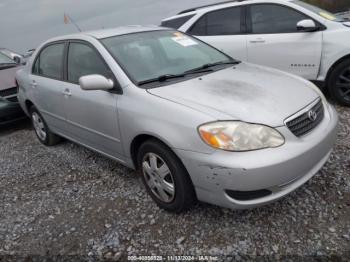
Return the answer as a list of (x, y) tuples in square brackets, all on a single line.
[(10, 112), (279, 170)]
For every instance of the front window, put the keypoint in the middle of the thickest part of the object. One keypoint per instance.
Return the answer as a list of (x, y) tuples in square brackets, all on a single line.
[(148, 55), (319, 11), (221, 22), (83, 60), (274, 19)]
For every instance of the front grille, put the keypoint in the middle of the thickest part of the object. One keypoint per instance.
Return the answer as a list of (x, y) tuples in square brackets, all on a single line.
[(8, 92), (304, 123)]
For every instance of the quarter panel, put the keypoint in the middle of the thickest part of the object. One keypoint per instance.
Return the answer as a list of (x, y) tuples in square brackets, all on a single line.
[(24, 92), (336, 45)]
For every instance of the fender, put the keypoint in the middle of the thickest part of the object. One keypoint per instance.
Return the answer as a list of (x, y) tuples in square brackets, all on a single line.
[(336, 46)]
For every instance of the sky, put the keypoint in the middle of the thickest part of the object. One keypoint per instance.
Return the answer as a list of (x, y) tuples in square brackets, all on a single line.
[(24, 24)]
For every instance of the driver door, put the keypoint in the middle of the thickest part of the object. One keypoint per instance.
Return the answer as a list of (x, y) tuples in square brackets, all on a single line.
[(274, 40)]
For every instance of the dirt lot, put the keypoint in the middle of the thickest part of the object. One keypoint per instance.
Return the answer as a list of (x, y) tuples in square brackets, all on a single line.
[(71, 202)]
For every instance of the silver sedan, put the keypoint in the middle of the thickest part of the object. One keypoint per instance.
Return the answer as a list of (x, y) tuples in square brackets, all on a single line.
[(198, 124)]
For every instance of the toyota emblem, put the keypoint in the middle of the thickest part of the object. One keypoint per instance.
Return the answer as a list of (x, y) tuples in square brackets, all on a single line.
[(312, 115)]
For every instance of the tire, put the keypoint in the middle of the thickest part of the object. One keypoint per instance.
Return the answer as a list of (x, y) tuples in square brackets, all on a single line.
[(339, 83), (182, 196), (41, 129)]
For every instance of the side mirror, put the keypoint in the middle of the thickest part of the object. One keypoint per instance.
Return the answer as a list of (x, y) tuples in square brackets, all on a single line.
[(95, 82), (307, 25), (17, 59)]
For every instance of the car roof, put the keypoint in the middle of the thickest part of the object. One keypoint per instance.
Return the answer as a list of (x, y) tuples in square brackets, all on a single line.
[(105, 33), (219, 5)]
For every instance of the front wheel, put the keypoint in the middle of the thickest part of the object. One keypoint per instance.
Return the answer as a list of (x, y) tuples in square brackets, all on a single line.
[(165, 178), (41, 129), (339, 83)]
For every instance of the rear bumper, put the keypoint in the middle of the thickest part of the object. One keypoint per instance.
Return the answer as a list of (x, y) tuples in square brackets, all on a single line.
[(279, 170)]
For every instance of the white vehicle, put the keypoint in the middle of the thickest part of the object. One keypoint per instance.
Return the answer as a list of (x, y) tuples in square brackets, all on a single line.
[(12, 55), (289, 35)]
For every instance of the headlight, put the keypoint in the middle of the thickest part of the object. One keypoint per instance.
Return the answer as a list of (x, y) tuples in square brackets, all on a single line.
[(240, 136)]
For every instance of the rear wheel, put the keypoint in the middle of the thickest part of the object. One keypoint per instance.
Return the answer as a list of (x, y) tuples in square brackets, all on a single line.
[(339, 83), (165, 178), (41, 129)]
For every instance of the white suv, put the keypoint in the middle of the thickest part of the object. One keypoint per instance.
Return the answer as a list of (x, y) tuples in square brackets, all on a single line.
[(286, 34)]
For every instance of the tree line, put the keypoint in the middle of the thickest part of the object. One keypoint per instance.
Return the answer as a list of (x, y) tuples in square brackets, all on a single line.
[(331, 5)]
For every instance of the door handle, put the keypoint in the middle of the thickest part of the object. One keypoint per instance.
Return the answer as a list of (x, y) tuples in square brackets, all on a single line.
[(34, 84), (257, 41), (67, 92)]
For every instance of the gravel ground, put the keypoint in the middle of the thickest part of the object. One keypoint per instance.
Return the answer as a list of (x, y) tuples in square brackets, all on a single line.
[(69, 202)]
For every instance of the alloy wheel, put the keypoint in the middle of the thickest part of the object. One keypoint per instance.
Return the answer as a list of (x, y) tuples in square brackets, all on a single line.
[(39, 126), (343, 84), (158, 177)]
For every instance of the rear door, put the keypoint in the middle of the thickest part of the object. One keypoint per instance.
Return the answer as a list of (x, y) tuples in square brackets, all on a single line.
[(92, 116), (46, 82), (275, 41), (223, 29)]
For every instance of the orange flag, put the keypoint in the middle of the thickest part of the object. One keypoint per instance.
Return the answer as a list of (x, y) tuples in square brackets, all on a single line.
[(66, 19)]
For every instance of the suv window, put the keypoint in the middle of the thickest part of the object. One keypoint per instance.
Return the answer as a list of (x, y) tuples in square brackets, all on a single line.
[(83, 60), (222, 22), (176, 23), (50, 61), (272, 19)]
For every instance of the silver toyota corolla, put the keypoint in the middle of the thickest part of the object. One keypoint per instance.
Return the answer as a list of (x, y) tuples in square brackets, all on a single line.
[(198, 124)]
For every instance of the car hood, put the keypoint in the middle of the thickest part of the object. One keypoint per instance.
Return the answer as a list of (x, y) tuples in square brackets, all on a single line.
[(244, 92)]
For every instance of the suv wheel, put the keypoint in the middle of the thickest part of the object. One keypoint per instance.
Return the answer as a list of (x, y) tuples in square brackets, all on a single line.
[(165, 178), (41, 129), (339, 83)]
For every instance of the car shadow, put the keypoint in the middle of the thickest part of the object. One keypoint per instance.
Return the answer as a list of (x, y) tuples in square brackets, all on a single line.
[(6, 129)]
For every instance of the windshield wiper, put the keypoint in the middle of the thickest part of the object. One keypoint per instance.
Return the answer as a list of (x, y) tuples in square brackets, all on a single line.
[(160, 79), (207, 66), (202, 69)]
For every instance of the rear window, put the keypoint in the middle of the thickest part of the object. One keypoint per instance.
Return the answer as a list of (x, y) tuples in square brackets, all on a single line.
[(49, 63), (176, 23), (221, 22)]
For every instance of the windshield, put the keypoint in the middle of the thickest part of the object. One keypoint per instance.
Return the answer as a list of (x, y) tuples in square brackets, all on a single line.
[(6, 60), (319, 11), (148, 55)]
